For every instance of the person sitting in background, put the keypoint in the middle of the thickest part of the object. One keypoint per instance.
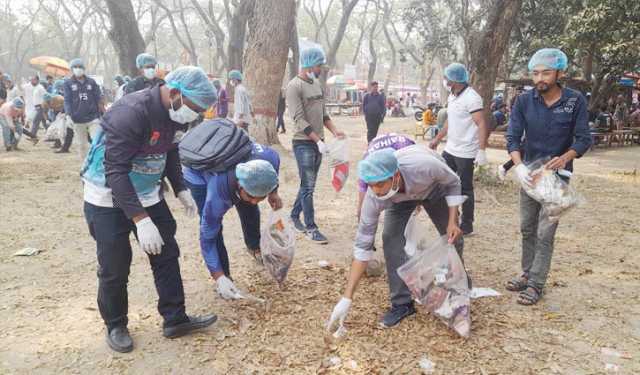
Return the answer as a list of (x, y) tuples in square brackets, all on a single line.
[(500, 118), (146, 65)]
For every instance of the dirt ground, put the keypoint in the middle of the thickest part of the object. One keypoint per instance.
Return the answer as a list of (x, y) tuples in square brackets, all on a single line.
[(50, 323)]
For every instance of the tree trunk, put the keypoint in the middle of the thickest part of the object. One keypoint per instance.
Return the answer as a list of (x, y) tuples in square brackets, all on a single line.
[(237, 31), (294, 61), (392, 68), (125, 35), (373, 63), (347, 8), (495, 37), (270, 27)]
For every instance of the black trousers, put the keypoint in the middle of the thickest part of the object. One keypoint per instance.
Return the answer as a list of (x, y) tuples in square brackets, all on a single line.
[(68, 139), (373, 124), (464, 169), (111, 228), (281, 122)]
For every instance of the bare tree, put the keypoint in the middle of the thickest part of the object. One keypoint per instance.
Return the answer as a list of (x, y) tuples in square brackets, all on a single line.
[(270, 25), (183, 35), (213, 25), (237, 21), (318, 19), (347, 8), (125, 35), (373, 62)]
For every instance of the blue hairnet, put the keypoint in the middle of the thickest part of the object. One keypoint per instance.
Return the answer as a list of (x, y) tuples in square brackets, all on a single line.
[(58, 85), (216, 82), (257, 177), (551, 58), (194, 84), (18, 103), (378, 166), (47, 97), (311, 57), (456, 72), (6, 77), (76, 62), (118, 78), (235, 74), (126, 79), (145, 59)]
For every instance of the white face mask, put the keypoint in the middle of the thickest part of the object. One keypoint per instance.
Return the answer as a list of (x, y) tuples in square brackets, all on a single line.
[(446, 87), (391, 191), (311, 75), (149, 73), (78, 72), (182, 115)]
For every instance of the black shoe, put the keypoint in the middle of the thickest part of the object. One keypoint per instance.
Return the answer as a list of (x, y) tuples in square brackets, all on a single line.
[(61, 151), (467, 230), (317, 237), (9, 148), (298, 226), (396, 314), (119, 340), (57, 144), (194, 323)]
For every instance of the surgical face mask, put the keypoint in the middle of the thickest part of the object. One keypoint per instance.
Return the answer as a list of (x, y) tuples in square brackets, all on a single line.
[(149, 73), (393, 191), (311, 75), (446, 86), (182, 115), (78, 72)]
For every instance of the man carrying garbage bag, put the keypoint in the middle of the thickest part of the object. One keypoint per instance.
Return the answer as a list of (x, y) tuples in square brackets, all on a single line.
[(398, 182), (244, 186), (131, 152), (556, 124)]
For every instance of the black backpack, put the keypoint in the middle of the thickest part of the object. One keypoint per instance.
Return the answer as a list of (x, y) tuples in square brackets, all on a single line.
[(215, 146)]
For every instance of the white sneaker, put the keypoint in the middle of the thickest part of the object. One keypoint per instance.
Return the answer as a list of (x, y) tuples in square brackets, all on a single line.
[(502, 173)]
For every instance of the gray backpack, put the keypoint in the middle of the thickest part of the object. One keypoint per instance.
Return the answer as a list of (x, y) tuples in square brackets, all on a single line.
[(214, 146)]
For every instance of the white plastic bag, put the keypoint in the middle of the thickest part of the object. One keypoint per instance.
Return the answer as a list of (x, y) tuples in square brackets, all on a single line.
[(277, 245), (338, 161), (437, 278), (556, 195), (57, 130), (414, 237)]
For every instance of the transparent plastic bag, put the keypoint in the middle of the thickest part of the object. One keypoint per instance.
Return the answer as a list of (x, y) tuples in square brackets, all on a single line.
[(414, 237), (556, 195), (437, 279), (277, 246), (57, 130), (338, 161)]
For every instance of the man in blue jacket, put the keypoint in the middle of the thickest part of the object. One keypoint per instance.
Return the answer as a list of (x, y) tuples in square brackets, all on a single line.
[(243, 187), (129, 156), (556, 124), (83, 103)]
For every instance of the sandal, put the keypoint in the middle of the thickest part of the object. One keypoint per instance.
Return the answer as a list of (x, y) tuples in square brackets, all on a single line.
[(517, 284), (530, 296)]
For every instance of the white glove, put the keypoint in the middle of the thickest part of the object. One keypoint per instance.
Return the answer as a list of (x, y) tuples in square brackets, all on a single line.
[(523, 174), (481, 158), (149, 237), (339, 313), (226, 288), (322, 147), (187, 201)]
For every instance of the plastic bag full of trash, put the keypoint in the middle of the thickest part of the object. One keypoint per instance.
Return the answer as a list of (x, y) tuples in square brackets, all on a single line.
[(552, 190), (437, 278), (277, 245), (338, 162)]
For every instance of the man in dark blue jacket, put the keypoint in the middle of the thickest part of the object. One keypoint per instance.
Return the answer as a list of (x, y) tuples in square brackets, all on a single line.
[(130, 154), (374, 109), (556, 124), (83, 103)]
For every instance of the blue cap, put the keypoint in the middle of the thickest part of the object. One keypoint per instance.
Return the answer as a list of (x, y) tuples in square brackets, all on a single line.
[(257, 177), (17, 103), (47, 97), (551, 58), (58, 85), (378, 166), (193, 83), (145, 59), (77, 62), (456, 72), (126, 79), (311, 57), (6, 77), (236, 74)]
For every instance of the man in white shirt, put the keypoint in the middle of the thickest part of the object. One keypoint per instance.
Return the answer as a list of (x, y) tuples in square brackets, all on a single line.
[(242, 110), (467, 135), (27, 94), (38, 101)]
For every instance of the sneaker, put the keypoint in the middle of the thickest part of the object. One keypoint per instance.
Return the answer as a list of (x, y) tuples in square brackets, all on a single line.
[(317, 237), (297, 224), (467, 230), (119, 340), (396, 314), (194, 323), (502, 173)]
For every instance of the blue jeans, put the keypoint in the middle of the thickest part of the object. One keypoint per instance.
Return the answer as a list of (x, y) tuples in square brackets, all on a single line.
[(249, 220), (110, 228), (308, 159), (11, 138)]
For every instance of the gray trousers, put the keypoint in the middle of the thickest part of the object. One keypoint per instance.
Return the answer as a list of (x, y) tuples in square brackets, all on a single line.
[(538, 234), (395, 221)]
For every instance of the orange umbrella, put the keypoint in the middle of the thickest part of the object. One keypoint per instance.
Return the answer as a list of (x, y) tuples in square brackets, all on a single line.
[(50, 65)]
